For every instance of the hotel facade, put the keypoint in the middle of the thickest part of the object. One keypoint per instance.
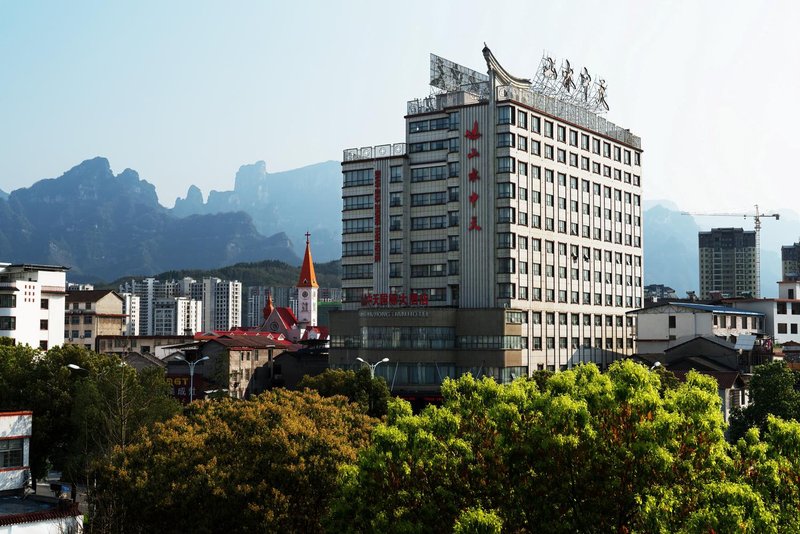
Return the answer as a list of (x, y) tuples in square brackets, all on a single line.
[(503, 237)]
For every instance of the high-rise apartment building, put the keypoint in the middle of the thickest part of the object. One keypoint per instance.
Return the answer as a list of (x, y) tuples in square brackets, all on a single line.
[(222, 301), (728, 263), (177, 316), (790, 261), (504, 236)]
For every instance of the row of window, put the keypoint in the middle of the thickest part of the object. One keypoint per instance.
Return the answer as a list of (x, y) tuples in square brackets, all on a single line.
[(576, 343), (509, 290), (507, 115), (75, 334)]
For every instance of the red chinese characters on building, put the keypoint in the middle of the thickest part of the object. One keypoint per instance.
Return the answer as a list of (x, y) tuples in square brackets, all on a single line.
[(473, 135), (377, 225), (382, 300)]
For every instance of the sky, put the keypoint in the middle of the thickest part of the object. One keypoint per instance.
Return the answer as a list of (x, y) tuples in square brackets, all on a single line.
[(185, 92)]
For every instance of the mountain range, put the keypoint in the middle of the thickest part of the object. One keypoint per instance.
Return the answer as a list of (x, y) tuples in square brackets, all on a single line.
[(105, 226)]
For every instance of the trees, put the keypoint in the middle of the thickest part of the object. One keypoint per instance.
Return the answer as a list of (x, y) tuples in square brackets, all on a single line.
[(268, 464), (591, 452), (773, 391), (78, 416), (372, 394)]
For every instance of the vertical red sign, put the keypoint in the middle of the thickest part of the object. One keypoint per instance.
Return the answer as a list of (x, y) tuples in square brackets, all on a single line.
[(377, 225)]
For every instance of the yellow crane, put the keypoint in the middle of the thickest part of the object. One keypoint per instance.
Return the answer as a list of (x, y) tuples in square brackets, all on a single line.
[(757, 216)]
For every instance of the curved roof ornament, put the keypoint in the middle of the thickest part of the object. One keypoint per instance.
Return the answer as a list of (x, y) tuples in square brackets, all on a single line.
[(503, 76)]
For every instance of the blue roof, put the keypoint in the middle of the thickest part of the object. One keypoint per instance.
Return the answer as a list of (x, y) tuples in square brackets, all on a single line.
[(714, 308)]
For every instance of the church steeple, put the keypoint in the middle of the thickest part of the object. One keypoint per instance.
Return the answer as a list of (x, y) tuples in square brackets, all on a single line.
[(267, 311), (307, 276), (307, 290)]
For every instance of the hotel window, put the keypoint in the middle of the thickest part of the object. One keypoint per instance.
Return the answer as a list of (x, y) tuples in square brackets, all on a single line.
[(548, 129), (395, 246), (636, 159), (535, 147), (357, 202), (595, 167), (453, 144), (505, 240), (505, 115), (522, 119), (452, 218), (627, 157), (584, 142), (523, 193), (535, 123), (536, 293), (505, 164), (548, 151), (454, 120), (523, 267), (523, 292), (607, 150), (505, 190), (536, 172), (562, 156), (573, 159), (396, 174), (595, 145), (522, 169), (505, 139), (522, 143), (395, 270), (505, 265), (453, 169), (452, 193), (359, 177), (617, 154), (452, 243), (505, 291), (9, 301), (395, 199), (396, 222), (562, 134), (522, 218), (505, 215)]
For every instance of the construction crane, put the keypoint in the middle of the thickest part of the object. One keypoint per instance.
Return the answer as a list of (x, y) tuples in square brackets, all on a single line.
[(757, 216)]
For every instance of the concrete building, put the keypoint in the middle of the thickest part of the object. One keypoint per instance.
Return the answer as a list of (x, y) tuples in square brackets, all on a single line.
[(92, 313), (130, 308), (781, 315), (21, 512), (32, 304), (177, 316), (656, 292), (790, 261), (504, 236), (222, 301), (222, 304), (661, 327), (728, 264)]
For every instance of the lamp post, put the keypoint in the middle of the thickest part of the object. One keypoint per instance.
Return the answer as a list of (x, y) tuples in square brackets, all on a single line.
[(372, 366), (191, 373)]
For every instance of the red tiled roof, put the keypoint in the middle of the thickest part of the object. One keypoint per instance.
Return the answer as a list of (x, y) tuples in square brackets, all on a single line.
[(287, 316)]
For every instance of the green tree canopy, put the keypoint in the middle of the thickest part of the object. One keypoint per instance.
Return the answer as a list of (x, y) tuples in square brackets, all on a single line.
[(269, 464), (773, 391), (372, 394), (591, 452)]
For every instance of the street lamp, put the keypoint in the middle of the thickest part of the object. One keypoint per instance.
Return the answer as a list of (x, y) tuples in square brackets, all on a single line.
[(372, 366), (191, 373)]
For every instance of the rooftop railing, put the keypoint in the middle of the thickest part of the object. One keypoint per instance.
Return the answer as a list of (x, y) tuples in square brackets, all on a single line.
[(373, 152)]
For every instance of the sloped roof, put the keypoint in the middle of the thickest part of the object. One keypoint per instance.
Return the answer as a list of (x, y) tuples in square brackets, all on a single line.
[(725, 379), (308, 277), (92, 295)]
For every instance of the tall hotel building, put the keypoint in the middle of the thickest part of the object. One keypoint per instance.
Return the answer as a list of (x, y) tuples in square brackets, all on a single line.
[(504, 236)]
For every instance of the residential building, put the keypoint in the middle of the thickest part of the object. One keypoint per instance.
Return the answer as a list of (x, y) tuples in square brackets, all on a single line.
[(504, 236), (32, 304), (728, 263), (130, 308), (656, 292), (781, 315), (790, 261), (222, 304), (92, 313), (177, 316), (222, 300), (672, 323), (19, 510)]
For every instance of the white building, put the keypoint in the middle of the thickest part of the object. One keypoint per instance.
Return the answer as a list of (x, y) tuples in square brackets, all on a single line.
[(504, 236), (781, 315), (130, 307), (177, 316), (222, 300), (661, 327), (32, 304), (222, 304), (21, 513)]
